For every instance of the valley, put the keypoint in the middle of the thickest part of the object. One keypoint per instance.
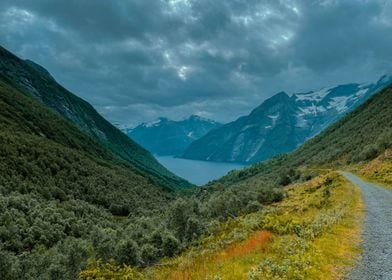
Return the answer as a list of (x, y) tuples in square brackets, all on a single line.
[(315, 229), (195, 140)]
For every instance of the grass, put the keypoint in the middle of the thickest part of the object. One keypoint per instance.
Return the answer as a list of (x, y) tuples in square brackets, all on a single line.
[(378, 170), (240, 257), (109, 271), (312, 234)]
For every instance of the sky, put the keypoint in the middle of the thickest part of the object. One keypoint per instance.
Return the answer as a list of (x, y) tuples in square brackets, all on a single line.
[(137, 60)]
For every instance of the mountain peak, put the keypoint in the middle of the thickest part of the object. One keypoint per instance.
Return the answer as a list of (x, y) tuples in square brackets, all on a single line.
[(199, 118), (168, 137), (156, 122), (281, 123), (313, 95), (279, 98), (195, 117), (282, 95)]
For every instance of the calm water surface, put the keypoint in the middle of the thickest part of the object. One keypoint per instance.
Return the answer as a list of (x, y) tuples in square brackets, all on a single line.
[(196, 171)]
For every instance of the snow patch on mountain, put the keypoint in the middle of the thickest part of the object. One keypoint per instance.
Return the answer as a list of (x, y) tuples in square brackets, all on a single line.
[(310, 110), (247, 127), (238, 146), (302, 115), (273, 118), (152, 123), (255, 150), (190, 134), (169, 137), (339, 103), (313, 96), (300, 121), (362, 91)]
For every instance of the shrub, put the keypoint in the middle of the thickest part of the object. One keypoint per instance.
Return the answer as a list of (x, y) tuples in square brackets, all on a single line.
[(127, 253), (149, 254), (170, 245)]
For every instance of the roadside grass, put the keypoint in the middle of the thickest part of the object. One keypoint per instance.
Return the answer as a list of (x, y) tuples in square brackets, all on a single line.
[(378, 170), (312, 234), (97, 270)]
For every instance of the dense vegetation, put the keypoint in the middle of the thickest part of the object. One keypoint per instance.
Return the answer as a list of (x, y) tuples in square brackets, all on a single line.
[(308, 221), (378, 170), (58, 186), (65, 198), (43, 154), (292, 239), (33, 80)]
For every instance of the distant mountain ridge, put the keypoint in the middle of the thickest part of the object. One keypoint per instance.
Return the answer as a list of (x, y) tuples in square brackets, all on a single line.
[(360, 136), (34, 80), (281, 123), (168, 137)]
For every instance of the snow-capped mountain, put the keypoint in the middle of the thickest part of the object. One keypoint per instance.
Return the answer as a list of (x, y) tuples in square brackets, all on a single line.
[(281, 123), (168, 137)]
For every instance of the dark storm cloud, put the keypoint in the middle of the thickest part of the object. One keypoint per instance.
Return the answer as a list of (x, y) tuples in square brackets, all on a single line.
[(140, 59)]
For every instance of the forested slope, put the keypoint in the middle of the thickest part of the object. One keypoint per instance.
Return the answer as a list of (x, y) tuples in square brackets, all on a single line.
[(65, 198), (58, 187), (45, 155), (33, 80)]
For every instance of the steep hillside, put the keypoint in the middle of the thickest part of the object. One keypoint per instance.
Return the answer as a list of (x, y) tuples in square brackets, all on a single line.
[(44, 155), (63, 196), (281, 124), (64, 199), (167, 137), (35, 81)]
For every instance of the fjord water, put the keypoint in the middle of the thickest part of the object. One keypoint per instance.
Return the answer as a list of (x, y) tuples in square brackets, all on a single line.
[(196, 171)]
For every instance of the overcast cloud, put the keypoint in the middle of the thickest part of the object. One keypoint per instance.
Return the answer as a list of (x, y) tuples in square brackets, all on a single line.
[(141, 59)]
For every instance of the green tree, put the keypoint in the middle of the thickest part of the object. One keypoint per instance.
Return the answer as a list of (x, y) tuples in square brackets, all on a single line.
[(128, 253)]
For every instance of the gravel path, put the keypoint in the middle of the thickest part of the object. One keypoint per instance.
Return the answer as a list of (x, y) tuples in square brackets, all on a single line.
[(376, 262)]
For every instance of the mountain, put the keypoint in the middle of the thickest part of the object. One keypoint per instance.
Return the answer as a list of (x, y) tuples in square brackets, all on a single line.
[(302, 217), (320, 206), (46, 156), (168, 137), (281, 123), (33, 80), (62, 192), (360, 136)]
